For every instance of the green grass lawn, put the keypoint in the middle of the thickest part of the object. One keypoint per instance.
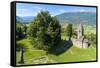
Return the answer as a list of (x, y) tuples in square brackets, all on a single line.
[(76, 54), (73, 54)]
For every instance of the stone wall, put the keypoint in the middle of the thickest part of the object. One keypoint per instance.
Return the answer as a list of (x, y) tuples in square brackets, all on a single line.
[(79, 43)]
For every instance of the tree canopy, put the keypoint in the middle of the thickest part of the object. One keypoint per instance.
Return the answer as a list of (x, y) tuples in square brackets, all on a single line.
[(45, 30), (69, 30)]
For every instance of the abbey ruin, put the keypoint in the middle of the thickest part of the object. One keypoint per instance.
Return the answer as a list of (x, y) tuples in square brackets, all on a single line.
[(80, 41)]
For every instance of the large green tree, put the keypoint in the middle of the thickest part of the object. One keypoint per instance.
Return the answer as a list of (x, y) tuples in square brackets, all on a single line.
[(44, 30), (54, 31)]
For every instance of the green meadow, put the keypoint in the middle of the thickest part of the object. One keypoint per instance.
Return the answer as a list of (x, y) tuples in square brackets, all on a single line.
[(73, 54)]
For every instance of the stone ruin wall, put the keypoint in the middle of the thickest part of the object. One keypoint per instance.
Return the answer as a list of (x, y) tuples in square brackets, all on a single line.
[(79, 43)]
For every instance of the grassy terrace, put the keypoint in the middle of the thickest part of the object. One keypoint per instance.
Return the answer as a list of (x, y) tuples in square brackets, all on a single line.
[(71, 54)]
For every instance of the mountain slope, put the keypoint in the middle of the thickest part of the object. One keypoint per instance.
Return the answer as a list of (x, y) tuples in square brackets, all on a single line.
[(26, 19), (19, 19), (77, 17)]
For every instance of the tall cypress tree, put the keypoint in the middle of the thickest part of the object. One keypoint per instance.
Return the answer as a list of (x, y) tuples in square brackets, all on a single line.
[(69, 30)]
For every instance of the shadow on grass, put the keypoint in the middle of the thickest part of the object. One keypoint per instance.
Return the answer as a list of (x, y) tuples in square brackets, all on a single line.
[(88, 44), (61, 48)]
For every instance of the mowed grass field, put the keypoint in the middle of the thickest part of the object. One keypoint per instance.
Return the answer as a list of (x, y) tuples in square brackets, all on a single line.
[(73, 54)]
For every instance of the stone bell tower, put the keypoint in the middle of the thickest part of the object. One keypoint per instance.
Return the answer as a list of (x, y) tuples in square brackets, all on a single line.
[(80, 31)]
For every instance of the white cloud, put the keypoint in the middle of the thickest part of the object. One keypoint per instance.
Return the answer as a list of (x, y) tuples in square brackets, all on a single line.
[(22, 10), (26, 12), (82, 10), (62, 10), (38, 8), (32, 11)]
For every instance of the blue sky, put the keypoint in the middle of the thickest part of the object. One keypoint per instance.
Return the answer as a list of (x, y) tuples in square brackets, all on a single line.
[(26, 9)]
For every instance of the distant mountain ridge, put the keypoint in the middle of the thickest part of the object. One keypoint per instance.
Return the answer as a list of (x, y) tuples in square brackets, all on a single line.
[(25, 19), (19, 19), (68, 17), (78, 17)]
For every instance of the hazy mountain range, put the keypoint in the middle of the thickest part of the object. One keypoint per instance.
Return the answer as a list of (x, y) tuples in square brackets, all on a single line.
[(70, 17), (78, 17), (25, 19)]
